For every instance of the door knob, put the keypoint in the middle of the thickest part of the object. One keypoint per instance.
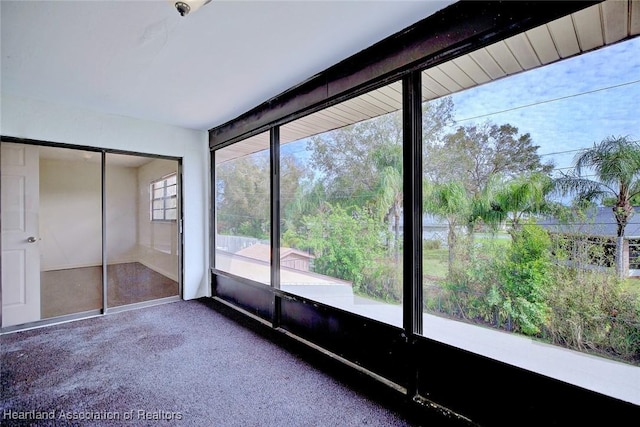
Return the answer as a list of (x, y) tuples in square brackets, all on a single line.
[(32, 239)]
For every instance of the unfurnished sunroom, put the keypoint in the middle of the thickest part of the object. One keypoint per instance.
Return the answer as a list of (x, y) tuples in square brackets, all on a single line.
[(383, 211)]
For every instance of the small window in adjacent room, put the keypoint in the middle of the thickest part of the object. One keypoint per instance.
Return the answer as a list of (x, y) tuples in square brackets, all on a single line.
[(164, 198)]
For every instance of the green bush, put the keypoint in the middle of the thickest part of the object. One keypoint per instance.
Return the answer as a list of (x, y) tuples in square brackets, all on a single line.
[(526, 280), (431, 244), (524, 288), (470, 280), (383, 281), (592, 311), (501, 284), (344, 242)]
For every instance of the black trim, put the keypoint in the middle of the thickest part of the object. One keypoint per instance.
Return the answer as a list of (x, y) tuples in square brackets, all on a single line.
[(412, 212), (103, 211), (256, 300), (213, 222), (378, 347), (463, 386), (492, 393), (274, 141)]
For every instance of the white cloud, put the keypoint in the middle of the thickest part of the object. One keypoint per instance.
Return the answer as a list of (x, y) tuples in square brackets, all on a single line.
[(567, 105)]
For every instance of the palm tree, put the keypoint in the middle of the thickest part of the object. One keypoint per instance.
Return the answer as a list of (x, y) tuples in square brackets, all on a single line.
[(614, 164), (515, 199), (388, 192), (448, 200)]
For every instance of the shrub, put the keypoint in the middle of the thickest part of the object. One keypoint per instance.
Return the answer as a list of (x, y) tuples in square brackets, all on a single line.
[(475, 272), (522, 287), (431, 244), (526, 280), (382, 280), (504, 285), (591, 311)]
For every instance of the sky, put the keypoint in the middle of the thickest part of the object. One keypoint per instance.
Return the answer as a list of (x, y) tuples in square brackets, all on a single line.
[(566, 106)]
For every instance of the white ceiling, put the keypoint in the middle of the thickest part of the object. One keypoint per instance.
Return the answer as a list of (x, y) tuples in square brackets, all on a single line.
[(142, 59)]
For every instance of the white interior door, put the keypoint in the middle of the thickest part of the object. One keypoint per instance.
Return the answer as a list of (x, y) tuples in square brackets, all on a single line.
[(20, 238)]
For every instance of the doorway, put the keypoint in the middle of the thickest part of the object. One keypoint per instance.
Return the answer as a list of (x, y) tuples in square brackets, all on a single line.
[(82, 232)]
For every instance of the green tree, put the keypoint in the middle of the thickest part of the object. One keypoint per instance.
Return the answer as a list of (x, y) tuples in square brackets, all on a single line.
[(349, 157), (345, 242), (611, 168), (450, 201), (243, 193), (523, 292), (242, 196), (362, 162), (473, 154), (388, 193), (361, 165), (516, 199)]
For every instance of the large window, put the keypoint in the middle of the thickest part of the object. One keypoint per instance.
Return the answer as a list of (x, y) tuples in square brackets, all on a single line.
[(242, 214), (521, 237), (528, 227), (341, 205)]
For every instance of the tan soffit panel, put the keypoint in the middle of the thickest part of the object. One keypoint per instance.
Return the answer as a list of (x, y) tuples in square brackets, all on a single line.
[(542, 42), (564, 36), (472, 69), (588, 28), (432, 85), (501, 53), (248, 146), (634, 22), (392, 95), (487, 63), (442, 78), (614, 14), (452, 70), (523, 52)]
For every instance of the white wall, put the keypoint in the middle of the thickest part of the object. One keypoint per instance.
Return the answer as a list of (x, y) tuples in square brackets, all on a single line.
[(122, 213), (33, 119), (158, 243)]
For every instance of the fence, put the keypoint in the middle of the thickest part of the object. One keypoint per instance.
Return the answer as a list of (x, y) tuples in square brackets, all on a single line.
[(234, 244)]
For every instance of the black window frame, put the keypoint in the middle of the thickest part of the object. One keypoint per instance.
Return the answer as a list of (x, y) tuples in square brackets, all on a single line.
[(361, 343)]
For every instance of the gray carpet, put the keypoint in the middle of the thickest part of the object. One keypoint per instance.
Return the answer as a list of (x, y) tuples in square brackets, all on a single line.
[(181, 362)]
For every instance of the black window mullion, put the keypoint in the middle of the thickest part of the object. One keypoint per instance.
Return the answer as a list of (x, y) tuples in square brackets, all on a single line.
[(412, 160), (275, 220), (412, 217)]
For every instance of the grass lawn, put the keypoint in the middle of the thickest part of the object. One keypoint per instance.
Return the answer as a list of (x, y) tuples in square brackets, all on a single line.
[(632, 286), (435, 262)]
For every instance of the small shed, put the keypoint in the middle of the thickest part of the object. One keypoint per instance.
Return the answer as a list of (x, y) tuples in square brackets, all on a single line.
[(289, 257)]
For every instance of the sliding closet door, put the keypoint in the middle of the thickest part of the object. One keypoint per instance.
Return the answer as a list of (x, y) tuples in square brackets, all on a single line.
[(142, 220), (70, 231)]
